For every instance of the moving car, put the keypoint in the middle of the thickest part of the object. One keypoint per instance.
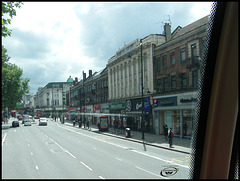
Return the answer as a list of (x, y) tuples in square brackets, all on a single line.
[(43, 121), (15, 124), (25, 117), (27, 123)]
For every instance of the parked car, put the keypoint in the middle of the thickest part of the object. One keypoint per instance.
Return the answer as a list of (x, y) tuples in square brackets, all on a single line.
[(43, 121), (15, 124), (27, 123)]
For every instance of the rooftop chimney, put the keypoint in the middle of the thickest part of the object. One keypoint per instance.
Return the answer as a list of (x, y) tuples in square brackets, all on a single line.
[(167, 31), (84, 76), (90, 73)]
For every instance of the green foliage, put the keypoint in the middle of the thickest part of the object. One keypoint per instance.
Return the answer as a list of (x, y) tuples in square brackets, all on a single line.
[(13, 85), (8, 8)]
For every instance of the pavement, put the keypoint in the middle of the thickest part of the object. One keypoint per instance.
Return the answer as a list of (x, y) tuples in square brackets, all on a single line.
[(179, 144)]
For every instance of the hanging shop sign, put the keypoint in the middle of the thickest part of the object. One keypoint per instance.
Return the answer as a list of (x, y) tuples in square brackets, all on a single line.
[(147, 106)]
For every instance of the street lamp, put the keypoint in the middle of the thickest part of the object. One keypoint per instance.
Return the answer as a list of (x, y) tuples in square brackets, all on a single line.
[(142, 120)]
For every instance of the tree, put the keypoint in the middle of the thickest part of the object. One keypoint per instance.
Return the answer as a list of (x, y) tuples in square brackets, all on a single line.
[(8, 9), (13, 85)]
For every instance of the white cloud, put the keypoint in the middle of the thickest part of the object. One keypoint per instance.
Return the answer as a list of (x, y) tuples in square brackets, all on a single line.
[(53, 40)]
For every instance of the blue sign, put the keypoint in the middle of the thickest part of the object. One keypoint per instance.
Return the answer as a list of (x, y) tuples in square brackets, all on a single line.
[(147, 106), (167, 101)]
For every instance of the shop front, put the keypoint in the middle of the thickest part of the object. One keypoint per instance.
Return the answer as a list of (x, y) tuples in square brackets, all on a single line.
[(177, 112), (116, 110), (134, 112)]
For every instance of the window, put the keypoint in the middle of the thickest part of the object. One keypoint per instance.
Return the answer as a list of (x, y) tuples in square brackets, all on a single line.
[(158, 65), (182, 55), (164, 61), (184, 81), (173, 83), (165, 80), (194, 53), (172, 58), (195, 79), (159, 85)]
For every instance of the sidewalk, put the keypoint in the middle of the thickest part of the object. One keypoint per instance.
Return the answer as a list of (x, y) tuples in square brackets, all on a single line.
[(179, 144)]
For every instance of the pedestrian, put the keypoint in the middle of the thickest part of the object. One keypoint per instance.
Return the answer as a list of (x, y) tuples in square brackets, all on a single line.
[(165, 127), (170, 137), (87, 124)]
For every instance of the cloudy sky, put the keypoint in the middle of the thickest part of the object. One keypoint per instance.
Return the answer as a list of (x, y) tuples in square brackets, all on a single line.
[(51, 41)]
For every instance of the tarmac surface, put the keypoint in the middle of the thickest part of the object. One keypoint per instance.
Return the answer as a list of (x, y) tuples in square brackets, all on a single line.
[(179, 144)]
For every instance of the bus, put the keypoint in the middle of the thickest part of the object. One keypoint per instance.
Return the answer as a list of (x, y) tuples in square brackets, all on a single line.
[(38, 113), (13, 113)]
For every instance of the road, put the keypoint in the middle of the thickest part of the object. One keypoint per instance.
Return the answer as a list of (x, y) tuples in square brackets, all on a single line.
[(58, 151)]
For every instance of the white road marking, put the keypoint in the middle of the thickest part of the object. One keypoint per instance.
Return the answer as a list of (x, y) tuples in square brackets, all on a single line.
[(28, 145), (150, 172), (4, 138), (101, 177), (63, 148), (159, 159), (119, 159), (31, 153), (94, 148), (36, 167), (143, 153), (15, 130), (86, 166)]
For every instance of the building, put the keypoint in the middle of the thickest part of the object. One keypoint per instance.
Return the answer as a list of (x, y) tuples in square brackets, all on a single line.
[(89, 96), (125, 85), (52, 98), (177, 64)]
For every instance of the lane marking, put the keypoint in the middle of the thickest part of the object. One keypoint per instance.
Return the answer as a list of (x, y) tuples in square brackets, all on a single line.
[(119, 159), (4, 138), (31, 153), (167, 161), (150, 172), (101, 177), (36, 167), (63, 148), (160, 159), (86, 166)]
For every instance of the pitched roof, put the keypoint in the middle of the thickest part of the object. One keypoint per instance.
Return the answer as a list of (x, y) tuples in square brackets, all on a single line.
[(190, 27)]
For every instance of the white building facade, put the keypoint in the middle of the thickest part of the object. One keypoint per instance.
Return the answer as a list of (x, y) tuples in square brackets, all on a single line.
[(125, 83)]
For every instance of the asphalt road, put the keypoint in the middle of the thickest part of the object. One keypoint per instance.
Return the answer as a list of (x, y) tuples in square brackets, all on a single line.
[(59, 151)]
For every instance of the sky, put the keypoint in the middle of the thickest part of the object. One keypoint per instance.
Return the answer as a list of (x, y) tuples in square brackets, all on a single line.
[(51, 41)]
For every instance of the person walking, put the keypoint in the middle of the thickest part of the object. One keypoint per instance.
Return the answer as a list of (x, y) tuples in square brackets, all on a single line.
[(165, 127), (87, 124), (170, 137)]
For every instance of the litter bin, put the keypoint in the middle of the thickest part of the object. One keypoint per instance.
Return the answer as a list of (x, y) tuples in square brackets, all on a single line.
[(127, 133)]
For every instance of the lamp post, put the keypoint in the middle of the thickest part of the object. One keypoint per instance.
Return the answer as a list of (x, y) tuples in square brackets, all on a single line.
[(83, 100), (142, 120), (52, 102)]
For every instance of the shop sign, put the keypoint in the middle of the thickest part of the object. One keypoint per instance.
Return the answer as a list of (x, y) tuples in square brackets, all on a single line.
[(96, 108), (136, 105), (155, 101), (117, 105), (187, 99), (128, 105), (167, 101), (147, 106)]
